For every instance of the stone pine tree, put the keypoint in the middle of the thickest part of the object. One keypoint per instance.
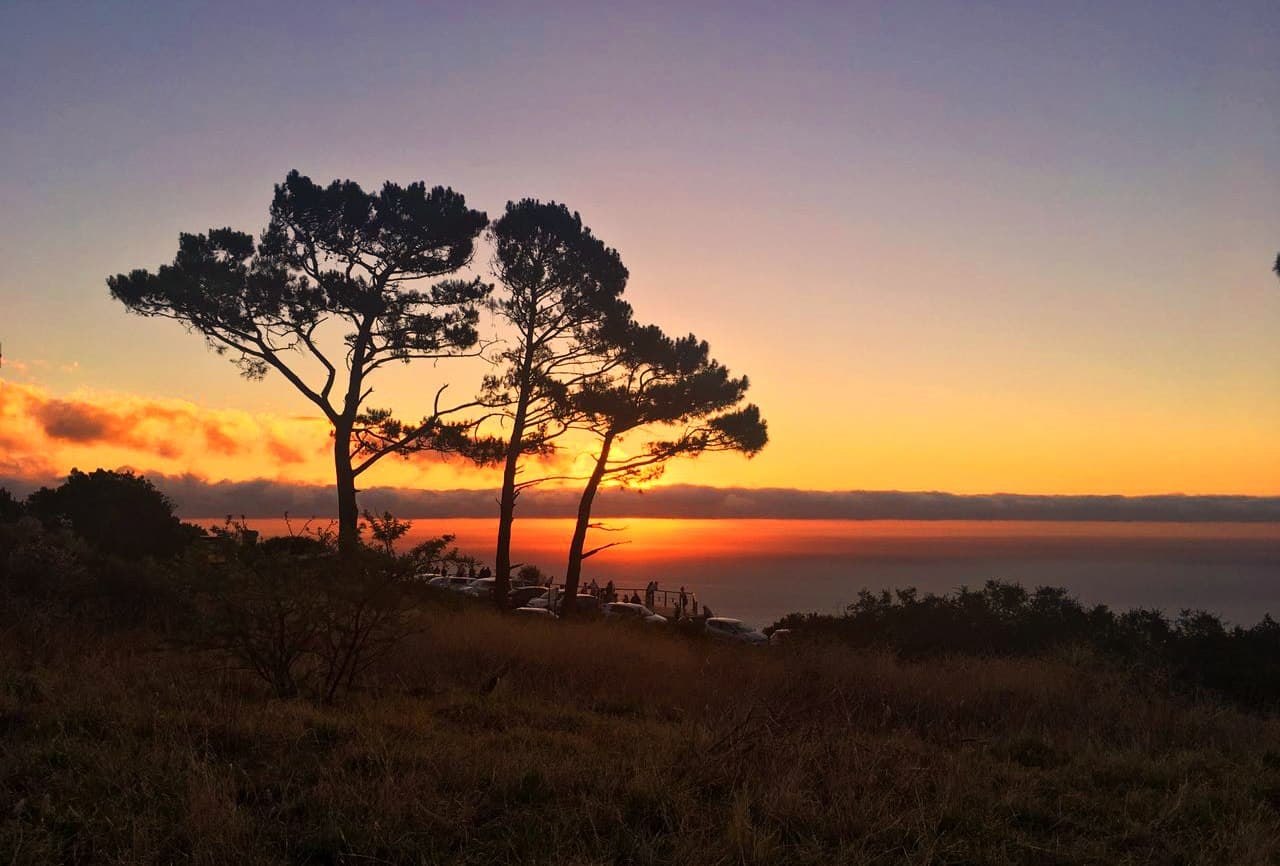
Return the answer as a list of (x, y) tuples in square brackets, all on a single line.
[(673, 390), (334, 257), (560, 285)]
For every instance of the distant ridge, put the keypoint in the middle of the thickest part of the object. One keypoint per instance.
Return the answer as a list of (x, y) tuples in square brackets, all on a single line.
[(264, 498)]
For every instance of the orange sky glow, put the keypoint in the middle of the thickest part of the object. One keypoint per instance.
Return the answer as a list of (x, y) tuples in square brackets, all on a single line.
[(969, 248)]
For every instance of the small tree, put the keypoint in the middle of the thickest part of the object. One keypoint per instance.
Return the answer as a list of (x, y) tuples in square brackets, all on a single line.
[(333, 254), (672, 386), (118, 513), (562, 284), (387, 529)]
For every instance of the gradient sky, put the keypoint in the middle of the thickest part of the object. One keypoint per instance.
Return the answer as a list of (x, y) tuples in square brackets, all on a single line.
[(971, 247)]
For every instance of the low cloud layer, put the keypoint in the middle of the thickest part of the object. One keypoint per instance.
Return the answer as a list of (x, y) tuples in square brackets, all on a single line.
[(262, 498)]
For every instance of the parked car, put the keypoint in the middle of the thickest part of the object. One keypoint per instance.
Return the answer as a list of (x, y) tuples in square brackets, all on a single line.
[(780, 635), (630, 612), (524, 596), (458, 583), (481, 587), (724, 628), (534, 612), (585, 604)]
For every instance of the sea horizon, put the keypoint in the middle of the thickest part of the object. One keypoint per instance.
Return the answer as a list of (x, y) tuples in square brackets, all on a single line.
[(760, 569)]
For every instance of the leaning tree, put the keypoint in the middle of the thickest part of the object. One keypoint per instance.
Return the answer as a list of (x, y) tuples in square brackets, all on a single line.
[(339, 255), (562, 284), (670, 388)]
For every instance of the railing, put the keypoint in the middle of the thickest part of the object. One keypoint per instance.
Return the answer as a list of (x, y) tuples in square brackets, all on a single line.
[(664, 601)]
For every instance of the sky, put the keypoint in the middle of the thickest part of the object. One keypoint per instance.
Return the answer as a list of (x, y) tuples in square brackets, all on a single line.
[(968, 247)]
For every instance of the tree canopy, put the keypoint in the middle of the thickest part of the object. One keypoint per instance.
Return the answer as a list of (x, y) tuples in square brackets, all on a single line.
[(114, 512), (673, 386), (334, 254)]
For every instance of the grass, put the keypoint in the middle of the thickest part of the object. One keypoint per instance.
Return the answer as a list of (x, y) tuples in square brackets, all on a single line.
[(610, 745)]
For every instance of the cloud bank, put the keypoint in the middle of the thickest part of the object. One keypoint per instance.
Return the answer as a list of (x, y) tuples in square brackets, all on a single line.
[(196, 497)]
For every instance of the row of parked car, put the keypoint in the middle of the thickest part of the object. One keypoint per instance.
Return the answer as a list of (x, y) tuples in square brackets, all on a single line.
[(536, 601)]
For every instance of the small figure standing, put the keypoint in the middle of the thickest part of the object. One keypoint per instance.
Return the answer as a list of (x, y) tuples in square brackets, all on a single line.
[(683, 604)]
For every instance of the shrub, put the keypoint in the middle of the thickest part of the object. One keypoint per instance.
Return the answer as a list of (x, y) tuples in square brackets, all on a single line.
[(297, 615), (1004, 619), (117, 513)]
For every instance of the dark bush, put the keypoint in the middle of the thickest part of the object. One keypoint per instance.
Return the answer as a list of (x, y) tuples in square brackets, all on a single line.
[(10, 507), (117, 513), (293, 612), (1197, 649)]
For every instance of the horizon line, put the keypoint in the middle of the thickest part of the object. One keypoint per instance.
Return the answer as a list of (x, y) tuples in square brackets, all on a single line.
[(266, 498)]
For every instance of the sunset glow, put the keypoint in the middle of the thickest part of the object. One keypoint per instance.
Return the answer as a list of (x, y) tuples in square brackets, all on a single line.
[(1086, 307)]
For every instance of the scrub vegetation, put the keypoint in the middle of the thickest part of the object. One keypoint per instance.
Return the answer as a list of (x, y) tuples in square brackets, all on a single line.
[(136, 729)]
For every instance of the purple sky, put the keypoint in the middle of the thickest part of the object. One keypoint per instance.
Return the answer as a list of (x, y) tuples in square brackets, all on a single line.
[(983, 237)]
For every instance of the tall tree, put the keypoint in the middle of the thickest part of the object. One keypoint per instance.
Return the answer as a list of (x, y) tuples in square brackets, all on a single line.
[(562, 285), (671, 387), (342, 255)]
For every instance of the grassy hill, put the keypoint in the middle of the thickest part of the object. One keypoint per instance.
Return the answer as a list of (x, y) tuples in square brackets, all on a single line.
[(602, 744)]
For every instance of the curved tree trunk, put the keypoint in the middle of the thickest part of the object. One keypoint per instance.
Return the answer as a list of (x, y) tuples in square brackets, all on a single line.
[(573, 571), (507, 500)]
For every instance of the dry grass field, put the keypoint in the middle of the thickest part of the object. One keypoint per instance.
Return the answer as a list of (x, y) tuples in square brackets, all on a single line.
[(603, 744)]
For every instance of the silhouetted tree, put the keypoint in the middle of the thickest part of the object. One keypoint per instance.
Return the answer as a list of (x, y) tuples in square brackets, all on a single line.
[(333, 254), (562, 284), (673, 386), (114, 512), (10, 506)]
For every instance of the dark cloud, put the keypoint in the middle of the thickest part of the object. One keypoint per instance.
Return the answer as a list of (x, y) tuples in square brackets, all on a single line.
[(262, 498), (154, 427), (75, 422)]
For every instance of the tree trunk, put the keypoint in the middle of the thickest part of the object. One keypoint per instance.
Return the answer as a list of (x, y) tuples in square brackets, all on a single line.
[(348, 513), (573, 571), (507, 501)]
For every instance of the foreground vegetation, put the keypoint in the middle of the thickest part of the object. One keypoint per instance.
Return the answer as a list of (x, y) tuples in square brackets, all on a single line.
[(267, 702), (601, 745), (1195, 650)]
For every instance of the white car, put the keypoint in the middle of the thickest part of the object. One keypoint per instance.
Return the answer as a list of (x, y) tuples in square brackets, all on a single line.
[(444, 581), (724, 628), (534, 612), (539, 601), (631, 612), (481, 587)]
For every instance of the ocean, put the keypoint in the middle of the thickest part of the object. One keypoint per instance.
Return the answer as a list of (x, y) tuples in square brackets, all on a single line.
[(758, 570)]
